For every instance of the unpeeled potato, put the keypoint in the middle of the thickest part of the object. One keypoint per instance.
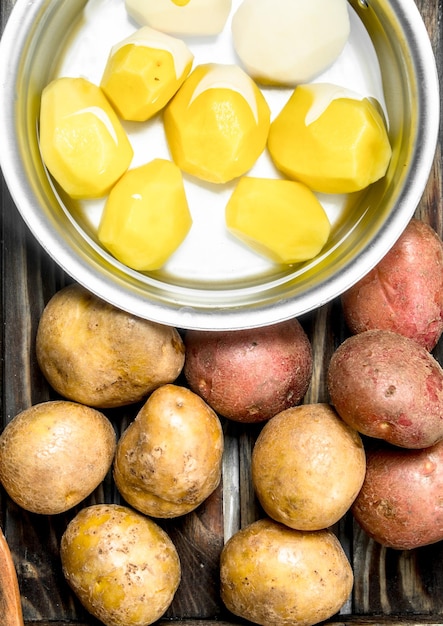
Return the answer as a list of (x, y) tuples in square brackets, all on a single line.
[(307, 467), (404, 291), (387, 386), (400, 502), (54, 454), (122, 566), (277, 576), (94, 353), (249, 375), (168, 461)]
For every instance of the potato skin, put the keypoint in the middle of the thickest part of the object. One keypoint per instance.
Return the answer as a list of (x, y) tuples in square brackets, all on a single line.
[(277, 576), (388, 387), (307, 467), (400, 504), (96, 354), (168, 461), (54, 454), (404, 292), (249, 375), (121, 565)]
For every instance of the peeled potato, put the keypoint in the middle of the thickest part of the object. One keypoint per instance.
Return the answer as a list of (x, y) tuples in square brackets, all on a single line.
[(146, 216), (82, 141), (54, 454), (289, 41), (122, 566), (168, 461), (331, 139), (274, 576), (94, 353), (295, 230), (217, 123), (144, 71), (308, 467), (184, 17)]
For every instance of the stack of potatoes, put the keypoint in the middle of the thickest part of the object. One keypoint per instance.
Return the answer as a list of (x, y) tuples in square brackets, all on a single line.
[(375, 449)]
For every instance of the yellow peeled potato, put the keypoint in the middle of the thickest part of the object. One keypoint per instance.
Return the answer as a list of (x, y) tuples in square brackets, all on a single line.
[(168, 461), (144, 71), (217, 123), (308, 466), (122, 566), (54, 454), (146, 216), (83, 144), (280, 219), (94, 353), (277, 576), (330, 138)]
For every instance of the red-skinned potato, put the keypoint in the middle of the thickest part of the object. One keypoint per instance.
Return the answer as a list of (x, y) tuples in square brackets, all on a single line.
[(400, 503), (388, 387), (404, 292), (249, 375)]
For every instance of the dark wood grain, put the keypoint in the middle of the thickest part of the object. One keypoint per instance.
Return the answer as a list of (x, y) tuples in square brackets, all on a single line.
[(390, 586)]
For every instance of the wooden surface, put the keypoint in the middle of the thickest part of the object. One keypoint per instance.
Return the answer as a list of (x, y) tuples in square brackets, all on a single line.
[(390, 586)]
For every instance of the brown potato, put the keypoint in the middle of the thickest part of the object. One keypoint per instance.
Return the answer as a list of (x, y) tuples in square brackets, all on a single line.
[(277, 576), (54, 454), (400, 502), (307, 467), (404, 292), (388, 387), (122, 566), (250, 375), (168, 461), (96, 354)]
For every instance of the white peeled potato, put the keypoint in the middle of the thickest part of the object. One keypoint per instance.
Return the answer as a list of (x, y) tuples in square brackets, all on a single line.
[(289, 41), (198, 17)]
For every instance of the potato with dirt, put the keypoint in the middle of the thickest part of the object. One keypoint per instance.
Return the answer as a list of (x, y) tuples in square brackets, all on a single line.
[(121, 565), (249, 375), (307, 467), (388, 387), (277, 576), (168, 460), (94, 353), (54, 454), (400, 502), (404, 291)]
